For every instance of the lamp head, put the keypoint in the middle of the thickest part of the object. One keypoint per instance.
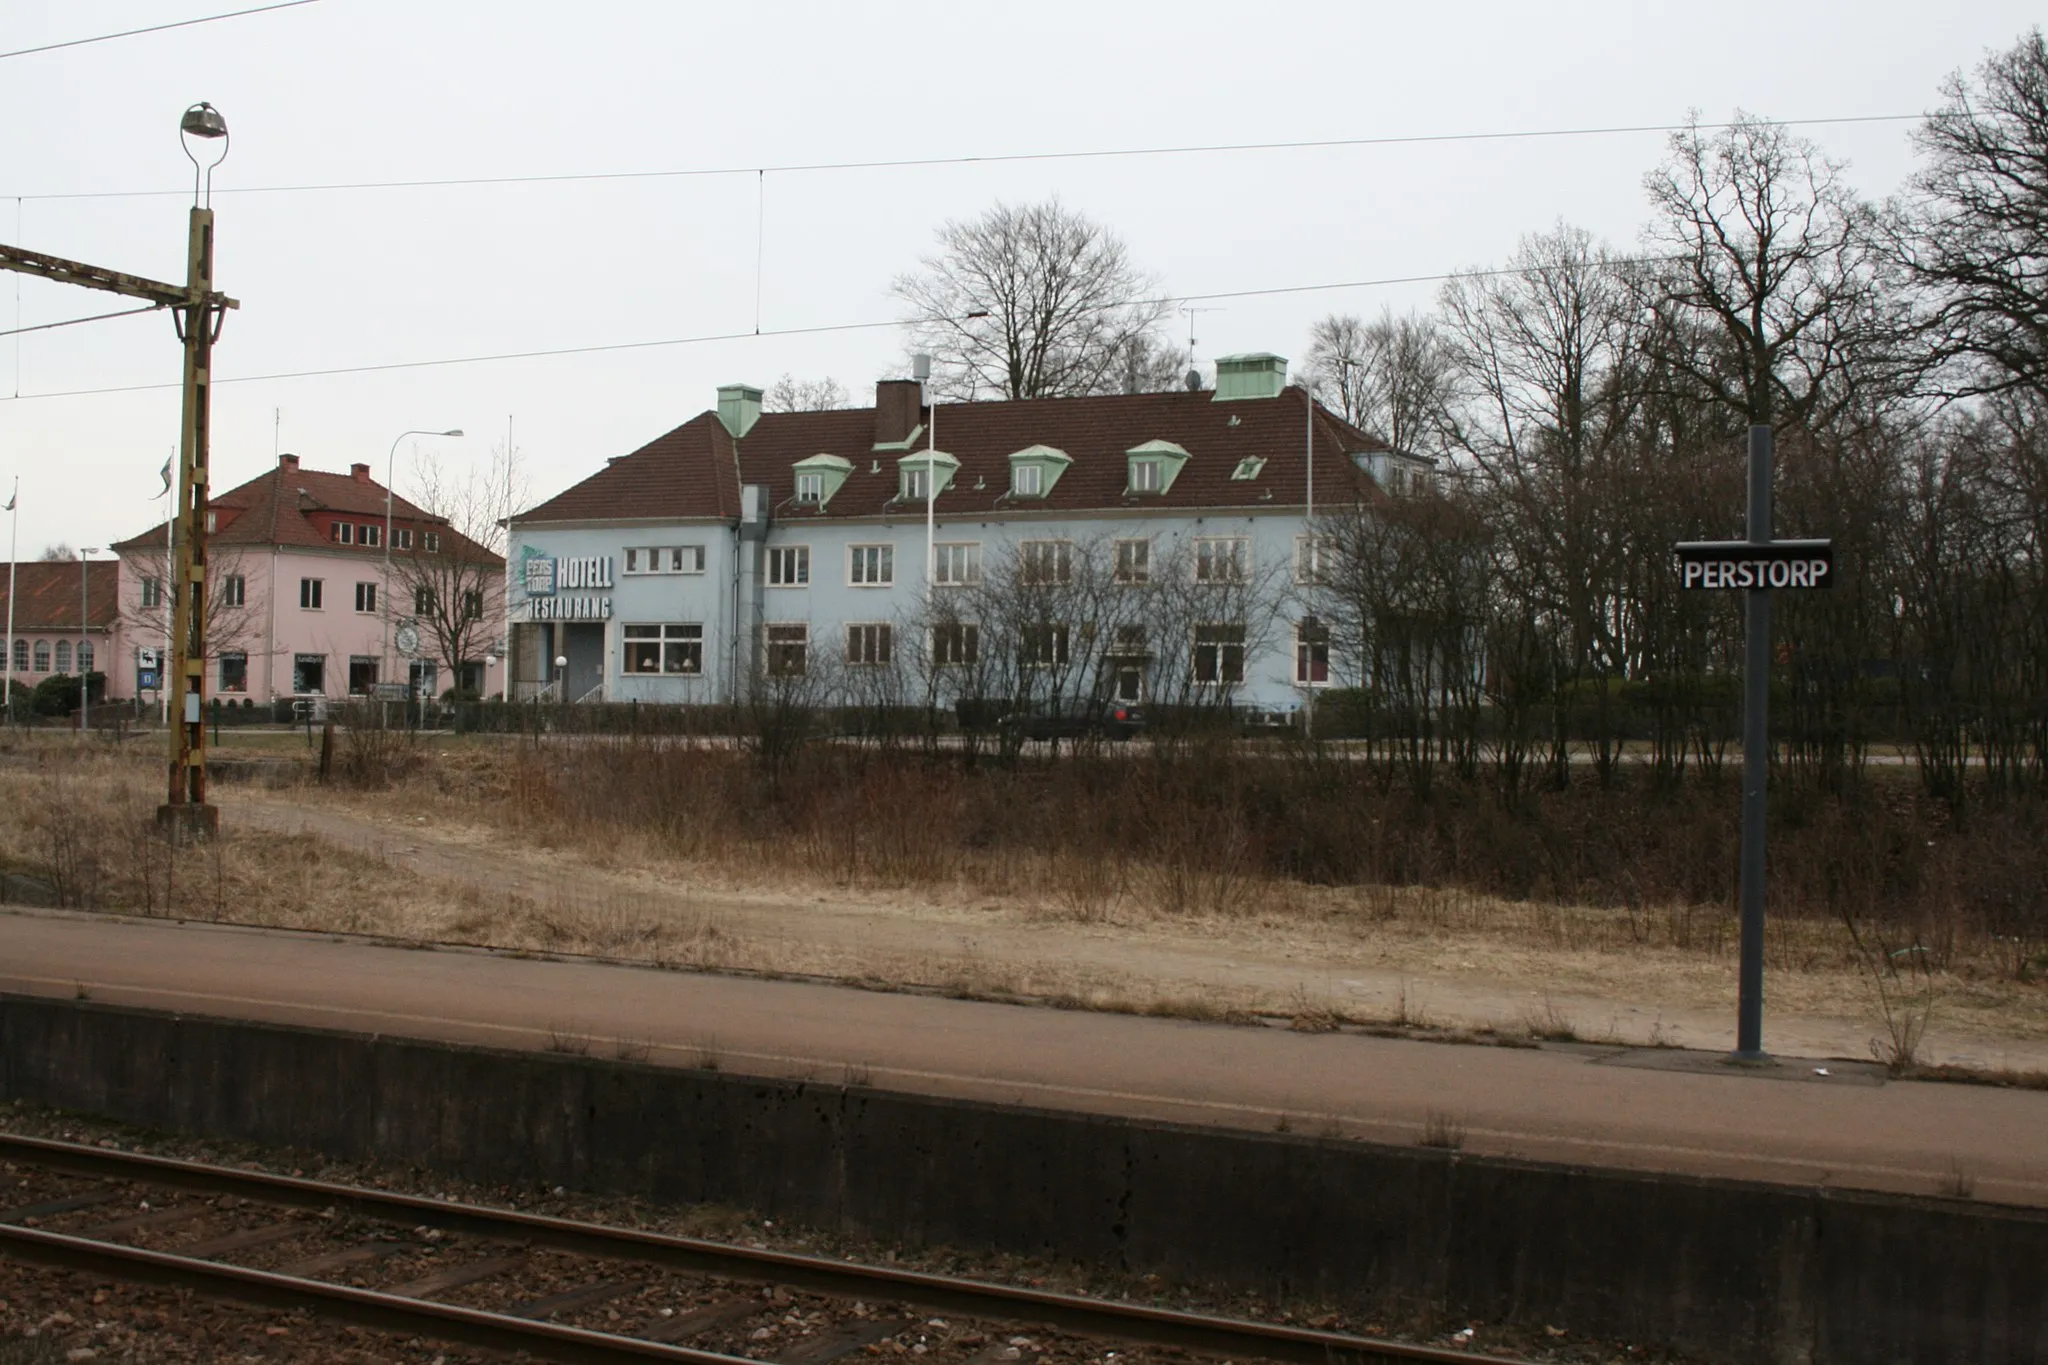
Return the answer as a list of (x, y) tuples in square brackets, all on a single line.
[(456, 432), (203, 120)]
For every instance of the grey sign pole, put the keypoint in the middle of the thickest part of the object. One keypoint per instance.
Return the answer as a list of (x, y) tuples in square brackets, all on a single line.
[(1756, 760)]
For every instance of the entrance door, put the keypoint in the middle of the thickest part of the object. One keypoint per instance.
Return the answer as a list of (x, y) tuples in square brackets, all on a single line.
[(1130, 683), (583, 644)]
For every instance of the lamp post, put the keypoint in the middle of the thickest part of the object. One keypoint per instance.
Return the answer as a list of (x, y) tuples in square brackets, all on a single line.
[(390, 470), (84, 624)]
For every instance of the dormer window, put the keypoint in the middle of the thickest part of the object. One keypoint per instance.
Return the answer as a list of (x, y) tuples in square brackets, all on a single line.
[(1153, 466), (810, 489), (1145, 476), (1028, 481), (1035, 469), (916, 485), (819, 477)]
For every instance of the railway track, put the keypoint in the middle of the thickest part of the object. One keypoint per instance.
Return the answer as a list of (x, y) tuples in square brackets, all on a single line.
[(566, 1290)]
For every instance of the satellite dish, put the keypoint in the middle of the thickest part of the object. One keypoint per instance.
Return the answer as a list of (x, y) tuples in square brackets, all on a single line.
[(1194, 381)]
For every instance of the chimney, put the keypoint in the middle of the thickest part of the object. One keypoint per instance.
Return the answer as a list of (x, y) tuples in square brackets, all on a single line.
[(739, 407), (290, 462), (899, 412), (359, 472), (1259, 374)]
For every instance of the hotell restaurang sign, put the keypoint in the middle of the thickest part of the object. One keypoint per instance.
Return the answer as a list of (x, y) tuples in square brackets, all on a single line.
[(566, 588)]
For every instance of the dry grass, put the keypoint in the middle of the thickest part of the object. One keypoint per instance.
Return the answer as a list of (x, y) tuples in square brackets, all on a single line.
[(891, 873)]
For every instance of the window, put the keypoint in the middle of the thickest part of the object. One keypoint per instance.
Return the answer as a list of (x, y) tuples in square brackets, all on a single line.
[(344, 532), (915, 482), (370, 535), (309, 672), (1219, 654), (810, 489), (1045, 646), (869, 644), (401, 538), (1134, 561), (665, 559), (1248, 468), (423, 601), (309, 594), (84, 657), (1313, 558), (1220, 559), (63, 656), (212, 521), (422, 676), (1047, 561), (1028, 480), (871, 566), (362, 674), (1312, 653), (956, 645), (42, 656), (473, 605), (673, 649), (430, 541), (234, 590), (789, 649), (234, 671), (469, 676), (1128, 643), (1145, 476), (366, 597), (955, 565), (789, 566), (152, 592), (21, 656)]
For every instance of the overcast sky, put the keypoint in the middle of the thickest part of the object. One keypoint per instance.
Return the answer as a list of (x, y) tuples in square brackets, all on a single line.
[(381, 90)]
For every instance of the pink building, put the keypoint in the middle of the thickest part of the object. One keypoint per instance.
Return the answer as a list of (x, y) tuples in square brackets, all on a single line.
[(306, 602), (49, 599)]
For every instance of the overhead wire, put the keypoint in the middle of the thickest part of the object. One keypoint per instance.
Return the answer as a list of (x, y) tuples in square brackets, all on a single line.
[(1000, 158), (820, 329), (73, 322), (153, 28)]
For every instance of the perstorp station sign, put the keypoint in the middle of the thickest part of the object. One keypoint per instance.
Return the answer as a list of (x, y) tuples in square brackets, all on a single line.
[(566, 588), (1738, 564)]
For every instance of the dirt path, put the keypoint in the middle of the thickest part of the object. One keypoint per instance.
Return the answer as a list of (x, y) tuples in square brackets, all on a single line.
[(1161, 968)]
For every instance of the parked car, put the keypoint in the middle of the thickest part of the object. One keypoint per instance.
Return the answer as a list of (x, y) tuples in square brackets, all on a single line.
[(1100, 717)]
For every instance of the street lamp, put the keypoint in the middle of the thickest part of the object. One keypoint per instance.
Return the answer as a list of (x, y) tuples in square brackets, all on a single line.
[(390, 470), (84, 625)]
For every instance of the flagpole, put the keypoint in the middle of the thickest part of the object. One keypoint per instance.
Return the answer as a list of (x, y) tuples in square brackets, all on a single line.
[(163, 661), (13, 545)]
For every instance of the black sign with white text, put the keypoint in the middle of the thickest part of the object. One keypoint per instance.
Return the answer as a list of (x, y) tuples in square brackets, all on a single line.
[(1737, 564)]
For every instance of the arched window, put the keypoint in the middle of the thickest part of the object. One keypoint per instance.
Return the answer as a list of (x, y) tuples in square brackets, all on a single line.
[(84, 657), (63, 656), (21, 656), (42, 656)]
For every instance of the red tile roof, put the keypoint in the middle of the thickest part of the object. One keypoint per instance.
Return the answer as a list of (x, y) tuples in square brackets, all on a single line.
[(689, 472), (47, 595), (279, 508)]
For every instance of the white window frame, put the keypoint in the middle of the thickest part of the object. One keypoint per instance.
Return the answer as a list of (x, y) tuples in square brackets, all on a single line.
[(769, 645), (63, 656), (1027, 480), (645, 560), (152, 592), (667, 635), (234, 590), (1195, 664), (1304, 656), (1129, 548), (810, 488), (1237, 559), (799, 557), (344, 533), (1147, 476), (430, 541), (967, 633), (1055, 634), (221, 672), (316, 589), (1312, 557), (871, 564), (401, 538), (1061, 553), (914, 483), (870, 644), (366, 593), (371, 534), (956, 563)]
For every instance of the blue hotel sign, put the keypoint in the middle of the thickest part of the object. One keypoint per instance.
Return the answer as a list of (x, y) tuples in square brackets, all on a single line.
[(566, 588)]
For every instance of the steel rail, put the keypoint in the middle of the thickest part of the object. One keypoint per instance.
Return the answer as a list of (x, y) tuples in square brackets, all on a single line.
[(364, 1307), (1209, 1335)]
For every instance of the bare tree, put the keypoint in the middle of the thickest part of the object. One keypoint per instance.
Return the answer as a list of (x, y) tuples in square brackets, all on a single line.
[(450, 578), (1977, 237), (1030, 301), (230, 617), (60, 553), (790, 394), (1391, 377)]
